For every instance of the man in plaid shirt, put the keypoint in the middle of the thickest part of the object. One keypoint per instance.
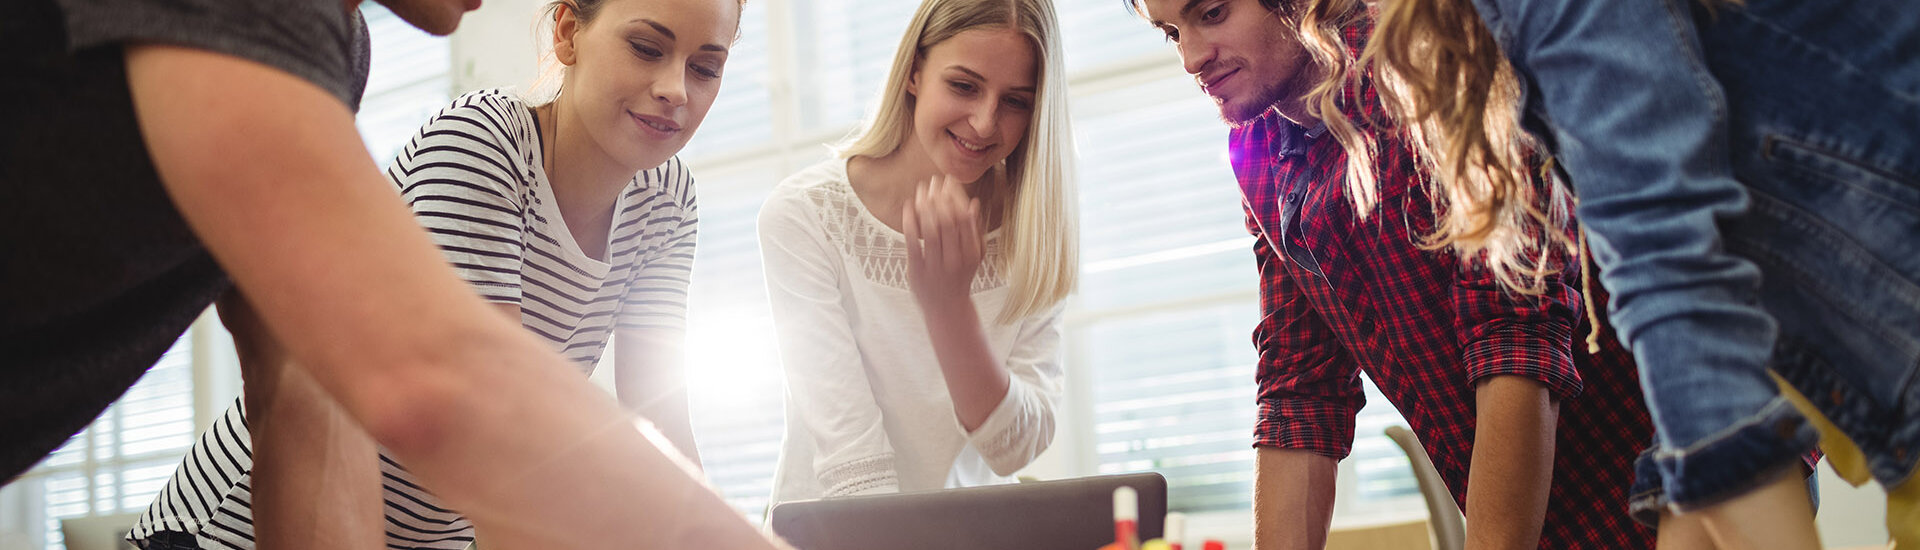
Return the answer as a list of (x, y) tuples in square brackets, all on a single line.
[(1534, 436)]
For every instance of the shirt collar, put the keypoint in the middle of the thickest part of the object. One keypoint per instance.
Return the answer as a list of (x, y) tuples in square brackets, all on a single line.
[(1294, 140)]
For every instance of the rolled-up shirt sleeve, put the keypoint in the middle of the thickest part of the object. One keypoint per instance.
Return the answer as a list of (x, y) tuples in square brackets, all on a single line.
[(1023, 425), (1513, 334)]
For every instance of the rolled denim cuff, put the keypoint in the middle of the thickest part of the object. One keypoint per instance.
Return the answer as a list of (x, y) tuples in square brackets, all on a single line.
[(1721, 467), (1647, 498)]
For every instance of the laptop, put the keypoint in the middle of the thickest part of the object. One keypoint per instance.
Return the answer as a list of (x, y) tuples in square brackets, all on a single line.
[(1070, 514)]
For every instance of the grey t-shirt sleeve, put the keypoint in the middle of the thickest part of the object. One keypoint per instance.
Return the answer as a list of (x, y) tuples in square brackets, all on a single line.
[(319, 41)]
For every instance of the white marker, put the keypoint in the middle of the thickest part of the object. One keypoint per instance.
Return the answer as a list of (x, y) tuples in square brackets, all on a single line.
[(1126, 518)]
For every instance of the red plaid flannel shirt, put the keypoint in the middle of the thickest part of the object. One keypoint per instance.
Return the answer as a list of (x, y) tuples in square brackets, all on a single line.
[(1340, 295)]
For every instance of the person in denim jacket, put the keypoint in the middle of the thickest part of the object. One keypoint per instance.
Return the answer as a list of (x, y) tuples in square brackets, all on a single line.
[(1749, 178)]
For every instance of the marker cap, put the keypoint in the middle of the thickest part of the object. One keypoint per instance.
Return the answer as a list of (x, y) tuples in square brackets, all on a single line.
[(1126, 504)]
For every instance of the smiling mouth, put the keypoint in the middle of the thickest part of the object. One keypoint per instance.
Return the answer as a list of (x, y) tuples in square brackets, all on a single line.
[(656, 123), (968, 145), (1211, 83)]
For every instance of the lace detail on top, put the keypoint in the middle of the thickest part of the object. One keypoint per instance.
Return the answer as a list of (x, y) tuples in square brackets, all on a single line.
[(859, 476), (880, 251)]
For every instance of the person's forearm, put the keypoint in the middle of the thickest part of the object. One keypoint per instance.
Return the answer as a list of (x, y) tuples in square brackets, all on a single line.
[(1512, 470), (667, 409), (975, 380), (650, 379), (1292, 499), (316, 474), (271, 175)]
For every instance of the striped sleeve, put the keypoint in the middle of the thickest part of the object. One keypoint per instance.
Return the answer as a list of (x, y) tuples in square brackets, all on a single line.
[(656, 296), (205, 478), (459, 177)]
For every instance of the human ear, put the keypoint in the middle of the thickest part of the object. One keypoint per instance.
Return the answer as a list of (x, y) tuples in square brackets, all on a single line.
[(913, 79), (565, 26)]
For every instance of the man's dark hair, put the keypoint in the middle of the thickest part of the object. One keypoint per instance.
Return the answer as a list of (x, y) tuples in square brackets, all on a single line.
[(1271, 5)]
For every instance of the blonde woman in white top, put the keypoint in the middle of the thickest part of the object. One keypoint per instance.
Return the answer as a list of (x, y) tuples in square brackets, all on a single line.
[(917, 278)]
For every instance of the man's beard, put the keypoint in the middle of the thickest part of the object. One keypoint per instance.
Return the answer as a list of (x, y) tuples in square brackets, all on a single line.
[(1243, 113)]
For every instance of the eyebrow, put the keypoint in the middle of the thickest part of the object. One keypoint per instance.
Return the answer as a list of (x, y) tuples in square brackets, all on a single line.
[(1184, 10), (663, 30), (1028, 89)]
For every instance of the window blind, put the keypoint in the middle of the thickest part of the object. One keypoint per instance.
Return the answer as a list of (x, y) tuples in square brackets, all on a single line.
[(411, 79)]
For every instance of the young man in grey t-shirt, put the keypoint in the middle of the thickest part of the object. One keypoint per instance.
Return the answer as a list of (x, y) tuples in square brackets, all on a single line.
[(150, 150)]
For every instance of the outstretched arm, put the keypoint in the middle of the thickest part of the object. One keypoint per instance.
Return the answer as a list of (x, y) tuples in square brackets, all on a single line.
[(271, 174)]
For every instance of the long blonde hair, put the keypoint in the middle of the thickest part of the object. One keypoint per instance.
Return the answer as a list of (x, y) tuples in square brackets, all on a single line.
[(1445, 82), (1321, 24), (1040, 236)]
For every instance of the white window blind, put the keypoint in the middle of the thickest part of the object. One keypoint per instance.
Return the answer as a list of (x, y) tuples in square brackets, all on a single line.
[(735, 384), (411, 79), (842, 50), (1169, 291), (1101, 35)]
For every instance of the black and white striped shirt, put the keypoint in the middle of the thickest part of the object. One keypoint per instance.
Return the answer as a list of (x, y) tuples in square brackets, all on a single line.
[(474, 179)]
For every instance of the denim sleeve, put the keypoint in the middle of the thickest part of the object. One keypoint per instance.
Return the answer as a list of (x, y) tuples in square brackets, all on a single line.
[(1641, 127)]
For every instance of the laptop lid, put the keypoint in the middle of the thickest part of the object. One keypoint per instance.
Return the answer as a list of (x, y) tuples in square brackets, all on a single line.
[(1070, 514)]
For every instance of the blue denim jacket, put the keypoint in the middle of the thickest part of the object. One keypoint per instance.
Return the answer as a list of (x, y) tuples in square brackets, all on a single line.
[(1748, 180)]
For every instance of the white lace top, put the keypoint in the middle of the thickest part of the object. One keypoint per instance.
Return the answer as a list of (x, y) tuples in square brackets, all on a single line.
[(867, 408)]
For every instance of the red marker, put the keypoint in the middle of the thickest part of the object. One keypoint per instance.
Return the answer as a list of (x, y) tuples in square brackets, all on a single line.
[(1126, 518)]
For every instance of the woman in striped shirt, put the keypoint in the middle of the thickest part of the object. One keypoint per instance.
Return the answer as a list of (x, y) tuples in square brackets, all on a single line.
[(572, 216)]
